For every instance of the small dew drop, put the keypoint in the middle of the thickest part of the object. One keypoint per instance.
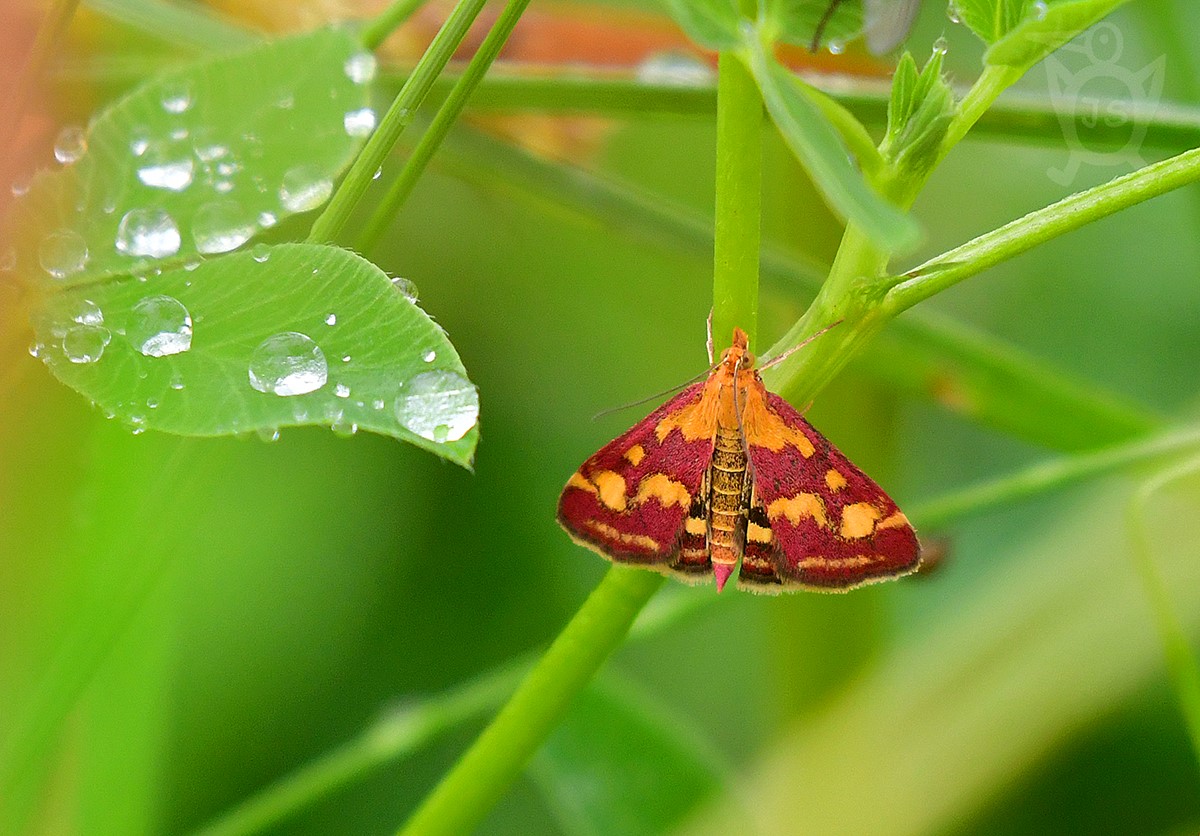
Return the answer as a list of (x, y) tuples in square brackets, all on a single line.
[(304, 188), (378, 173), (429, 356), (940, 47), (70, 145), (438, 405), (63, 253), (331, 319), (159, 326), (138, 145), (177, 97), (221, 226), (267, 434), (378, 404), (288, 364), (952, 12), (211, 153), (1039, 9), (343, 427), (85, 343), (836, 47), (177, 382), (267, 220), (359, 122), (341, 390), (406, 288), (260, 252), (148, 232), (360, 67)]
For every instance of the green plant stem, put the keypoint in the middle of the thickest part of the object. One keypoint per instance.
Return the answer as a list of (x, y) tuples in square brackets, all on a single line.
[(1056, 220), (993, 81), (375, 31), (1052, 475), (330, 223), (737, 230), (1181, 664), (447, 114), (486, 770)]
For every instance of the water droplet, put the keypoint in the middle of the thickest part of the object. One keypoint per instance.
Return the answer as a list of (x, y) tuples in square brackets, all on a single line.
[(359, 122), (837, 47), (377, 404), (429, 356), (343, 426), (211, 153), (1039, 9), (267, 434), (346, 359), (70, 144), (260, 252), (304, 188), (940, 46), (35, 349), (63, 253), (288, 364), (341, 390), (85, 343), (331, 319), (360, 67), (406, 288), (138, 145), (159, 326), (177, 97), (167, 169), (221, 226), (438, 405), (378, 173), (148, 232), (177, 382), (266, 220), (674, 69), (152, 403)]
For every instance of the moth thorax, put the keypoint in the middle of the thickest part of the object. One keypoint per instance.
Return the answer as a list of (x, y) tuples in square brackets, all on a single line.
[(727, 483)]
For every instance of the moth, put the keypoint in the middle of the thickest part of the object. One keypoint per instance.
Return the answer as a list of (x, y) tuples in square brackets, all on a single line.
[(728, 474)]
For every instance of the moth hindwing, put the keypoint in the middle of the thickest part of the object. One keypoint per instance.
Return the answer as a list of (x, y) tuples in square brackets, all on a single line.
[(727, 474)]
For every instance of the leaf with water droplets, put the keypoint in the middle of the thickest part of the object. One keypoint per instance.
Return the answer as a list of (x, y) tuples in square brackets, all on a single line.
[(326, 339), (195, 162)]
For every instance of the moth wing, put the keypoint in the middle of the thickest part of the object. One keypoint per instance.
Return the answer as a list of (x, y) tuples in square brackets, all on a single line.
[(630, 501), (831, 527)]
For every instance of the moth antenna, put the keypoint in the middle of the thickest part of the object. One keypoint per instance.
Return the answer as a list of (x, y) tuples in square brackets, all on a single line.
[(709, 343), (825, 18), (776, 360), (655, 397)]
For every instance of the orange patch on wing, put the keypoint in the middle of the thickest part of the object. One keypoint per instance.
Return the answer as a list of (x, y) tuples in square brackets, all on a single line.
[(697, 421), (835, 480), (611, 488), (763, 428), (635, 454), (798, 507), (640, 540), (666, 490), (578, 480), (756, 533), (854, 561), (896, 520), (858, 520)]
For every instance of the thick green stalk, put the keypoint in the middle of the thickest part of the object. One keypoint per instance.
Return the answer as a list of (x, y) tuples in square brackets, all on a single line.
[(486, 770), (375, 31), (447, 115), (737, 231), (399, 115)]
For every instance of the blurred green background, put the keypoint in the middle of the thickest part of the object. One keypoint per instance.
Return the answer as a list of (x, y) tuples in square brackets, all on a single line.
[(272, 600)]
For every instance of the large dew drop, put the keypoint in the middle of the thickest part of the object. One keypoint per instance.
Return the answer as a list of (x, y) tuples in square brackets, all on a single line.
[(360, 67), (221, 226), (359, 122), (160, 326), (148, 232), (85, 343), (288, 364), (438, 405), (304, 188), (63, 253)]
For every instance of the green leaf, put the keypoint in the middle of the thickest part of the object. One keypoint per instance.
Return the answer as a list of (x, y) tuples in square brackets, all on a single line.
[(296, 334), (618, 765), (991, 20), (797, 21), (198, 161), (1038, 35), (818, 148), (919, 113), (711, 23)]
